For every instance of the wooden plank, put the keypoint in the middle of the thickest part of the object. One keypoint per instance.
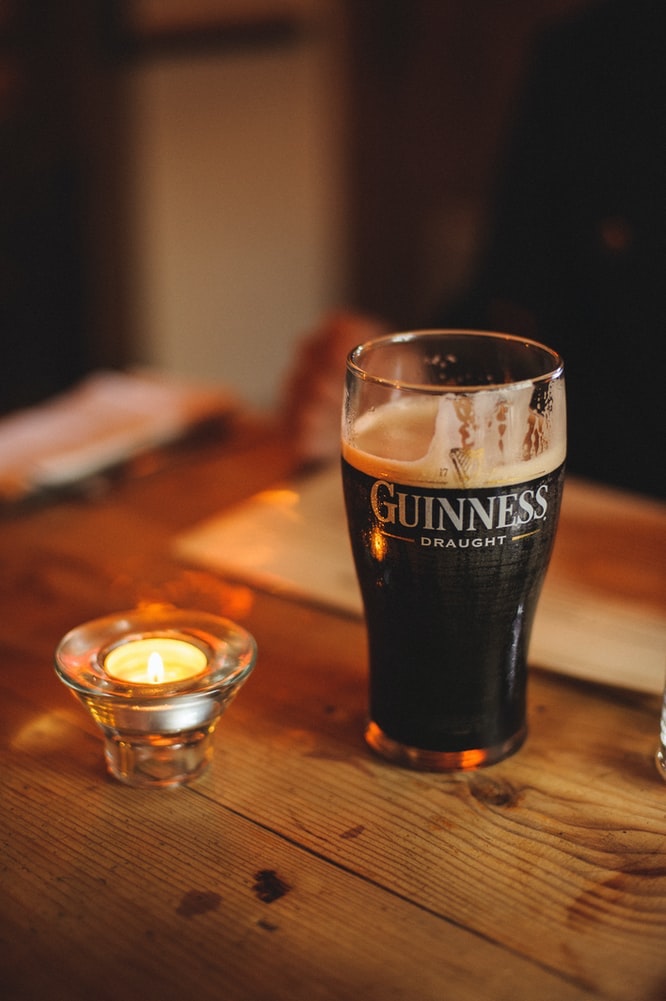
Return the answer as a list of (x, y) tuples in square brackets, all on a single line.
[(544, 876), (106, 891), (557, 853)]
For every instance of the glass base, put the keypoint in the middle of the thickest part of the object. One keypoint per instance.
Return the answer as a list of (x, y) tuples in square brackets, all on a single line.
[(660, 760), (158, 761), (440, 761)]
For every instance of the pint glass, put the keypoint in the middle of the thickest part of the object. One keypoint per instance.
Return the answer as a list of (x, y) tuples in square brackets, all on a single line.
[(453, 450)]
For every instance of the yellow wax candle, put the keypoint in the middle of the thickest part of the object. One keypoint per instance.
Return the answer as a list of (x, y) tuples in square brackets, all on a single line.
[(157, 660)]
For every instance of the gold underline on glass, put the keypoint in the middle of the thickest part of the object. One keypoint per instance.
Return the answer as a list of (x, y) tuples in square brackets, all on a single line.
[(400, 538), (525, 535)]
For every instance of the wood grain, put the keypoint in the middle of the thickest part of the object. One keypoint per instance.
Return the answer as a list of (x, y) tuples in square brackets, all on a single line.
[(300, 866)]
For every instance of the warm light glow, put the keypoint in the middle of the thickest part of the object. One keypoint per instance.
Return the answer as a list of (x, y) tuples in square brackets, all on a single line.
[(156, 660), (280, 498), (45, 732), (155, 668), (378, 544)]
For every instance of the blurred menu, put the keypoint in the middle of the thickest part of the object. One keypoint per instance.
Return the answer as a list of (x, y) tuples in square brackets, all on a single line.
[(292, 540)]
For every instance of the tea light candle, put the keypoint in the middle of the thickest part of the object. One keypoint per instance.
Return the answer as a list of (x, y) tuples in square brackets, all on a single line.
[(155, 661), (156, 681)]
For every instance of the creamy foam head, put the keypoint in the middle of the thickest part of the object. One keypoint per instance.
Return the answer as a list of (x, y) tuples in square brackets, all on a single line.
[(491, 437)]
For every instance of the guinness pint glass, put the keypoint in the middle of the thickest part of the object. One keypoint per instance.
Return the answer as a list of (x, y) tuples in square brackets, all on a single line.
[(453, 449)]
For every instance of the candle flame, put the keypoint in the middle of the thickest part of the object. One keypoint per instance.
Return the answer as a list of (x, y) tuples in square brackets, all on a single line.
[(155, 668)]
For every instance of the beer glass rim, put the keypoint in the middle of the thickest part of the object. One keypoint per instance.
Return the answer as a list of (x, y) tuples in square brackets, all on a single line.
[(356, 368)]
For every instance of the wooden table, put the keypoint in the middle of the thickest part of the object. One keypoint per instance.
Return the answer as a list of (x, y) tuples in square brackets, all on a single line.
[(300, 866)]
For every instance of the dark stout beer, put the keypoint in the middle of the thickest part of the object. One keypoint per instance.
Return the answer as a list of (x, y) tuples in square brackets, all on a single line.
[(450, 580), (453, 448)]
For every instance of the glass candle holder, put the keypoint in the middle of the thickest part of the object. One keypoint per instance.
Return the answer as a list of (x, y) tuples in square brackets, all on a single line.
[(156, 681), (661, 750)]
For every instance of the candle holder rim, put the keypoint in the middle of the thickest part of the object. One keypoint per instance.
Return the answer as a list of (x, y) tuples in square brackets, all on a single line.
[(231, 651)]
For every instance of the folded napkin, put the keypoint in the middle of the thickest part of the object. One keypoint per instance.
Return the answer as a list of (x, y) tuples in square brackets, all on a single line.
[(105, 420)]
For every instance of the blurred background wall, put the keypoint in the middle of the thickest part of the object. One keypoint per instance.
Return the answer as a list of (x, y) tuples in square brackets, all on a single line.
[(237, 192), (191, 184)]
